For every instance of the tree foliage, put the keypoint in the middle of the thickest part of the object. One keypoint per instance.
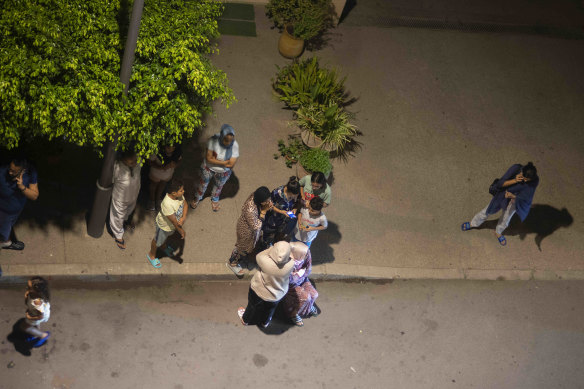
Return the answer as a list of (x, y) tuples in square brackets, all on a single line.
[(60, 64)]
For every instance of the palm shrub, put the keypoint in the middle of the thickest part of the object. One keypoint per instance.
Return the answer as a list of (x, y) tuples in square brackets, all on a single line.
[(308, 18), (316, 160), (305, 82), (329, 123)]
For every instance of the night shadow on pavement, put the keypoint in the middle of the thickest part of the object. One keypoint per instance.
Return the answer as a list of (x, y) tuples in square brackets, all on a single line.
[(543, 220), (18, 339), (321, 249)]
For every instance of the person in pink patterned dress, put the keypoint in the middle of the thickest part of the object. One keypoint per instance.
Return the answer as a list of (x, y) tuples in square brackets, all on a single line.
[(299, 301)]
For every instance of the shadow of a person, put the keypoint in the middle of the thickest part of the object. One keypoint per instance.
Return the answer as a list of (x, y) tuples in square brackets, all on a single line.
[(18, 338), (320, 249), (178, 247), (543, 220)]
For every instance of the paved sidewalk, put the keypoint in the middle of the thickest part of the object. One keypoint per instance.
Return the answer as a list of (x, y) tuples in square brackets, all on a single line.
[(442, 112)]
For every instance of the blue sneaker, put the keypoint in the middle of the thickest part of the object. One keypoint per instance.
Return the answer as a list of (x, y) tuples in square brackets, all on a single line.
[(42, 341)]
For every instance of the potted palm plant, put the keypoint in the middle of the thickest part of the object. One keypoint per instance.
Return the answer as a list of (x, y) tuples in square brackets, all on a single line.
[(325, 127), (299, 21)]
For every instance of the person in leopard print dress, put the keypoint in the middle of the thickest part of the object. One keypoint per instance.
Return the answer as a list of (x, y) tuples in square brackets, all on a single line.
[(249, 226)]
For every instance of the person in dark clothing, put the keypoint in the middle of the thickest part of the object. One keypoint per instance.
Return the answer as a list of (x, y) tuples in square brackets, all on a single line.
[(513, 193), (18, 183), (281, 219)]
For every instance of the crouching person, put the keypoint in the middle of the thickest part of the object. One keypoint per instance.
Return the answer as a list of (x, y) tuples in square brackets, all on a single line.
[(268, 285)]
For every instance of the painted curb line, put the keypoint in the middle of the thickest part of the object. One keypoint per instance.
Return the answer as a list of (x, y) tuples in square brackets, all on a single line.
[(214, 270)]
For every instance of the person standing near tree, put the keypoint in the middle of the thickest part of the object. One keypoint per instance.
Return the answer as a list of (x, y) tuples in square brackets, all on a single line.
[(18, 183), (170, 219), (162, 166), (125, 192), (512, 193), (221, 156)]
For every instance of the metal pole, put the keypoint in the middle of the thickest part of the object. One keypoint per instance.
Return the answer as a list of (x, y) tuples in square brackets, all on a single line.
[(103, 193)]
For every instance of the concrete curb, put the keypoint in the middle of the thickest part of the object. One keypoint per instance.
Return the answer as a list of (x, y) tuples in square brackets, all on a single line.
[(217, 271)]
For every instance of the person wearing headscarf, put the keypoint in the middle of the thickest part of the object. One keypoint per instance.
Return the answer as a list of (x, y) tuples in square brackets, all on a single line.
[(268, 285), (126, 180), (512, 193), (222, 154), (249, 226), (299, 301)]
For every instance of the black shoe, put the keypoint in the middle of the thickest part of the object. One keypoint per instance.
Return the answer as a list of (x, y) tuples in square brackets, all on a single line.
[(15, 245)]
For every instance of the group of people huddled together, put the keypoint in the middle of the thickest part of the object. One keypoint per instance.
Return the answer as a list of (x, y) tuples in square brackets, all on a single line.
[(275, 227)]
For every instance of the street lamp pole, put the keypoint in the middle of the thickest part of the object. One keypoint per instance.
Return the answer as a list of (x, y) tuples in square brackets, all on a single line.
[(104, 184)]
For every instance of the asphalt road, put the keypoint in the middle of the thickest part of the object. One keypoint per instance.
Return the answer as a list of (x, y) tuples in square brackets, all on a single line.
[(403, 334)]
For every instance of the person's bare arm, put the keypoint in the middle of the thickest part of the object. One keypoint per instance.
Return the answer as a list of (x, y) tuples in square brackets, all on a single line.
[(31, 191), (211, 159), (184, 216), (178, 227), (231, 162)]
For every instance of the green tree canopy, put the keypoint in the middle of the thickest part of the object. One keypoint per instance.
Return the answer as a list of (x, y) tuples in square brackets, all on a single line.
[(60, 65)]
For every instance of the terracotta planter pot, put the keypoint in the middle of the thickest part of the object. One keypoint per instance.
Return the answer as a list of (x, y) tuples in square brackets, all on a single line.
[(312, 141), (289, 46)]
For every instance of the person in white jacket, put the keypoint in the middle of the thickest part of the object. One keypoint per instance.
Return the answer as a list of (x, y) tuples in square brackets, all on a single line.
[(126, 180), (268, 285)]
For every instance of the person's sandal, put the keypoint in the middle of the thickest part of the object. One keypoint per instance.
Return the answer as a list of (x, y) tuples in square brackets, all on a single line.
[(215, 206), (502, 240), (240, 312), (121, 244), (297, 320), (194, 204), (41, 341), (237, 269), (313, 311), (465, 226), (154, 262)]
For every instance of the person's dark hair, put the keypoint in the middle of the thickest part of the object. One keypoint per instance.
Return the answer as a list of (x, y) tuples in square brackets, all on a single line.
[(130, 153), (293, 186), (529, 171), (20, 161), (39, 288), (319, 178), (175, 185), (260, 195), (316, 203)]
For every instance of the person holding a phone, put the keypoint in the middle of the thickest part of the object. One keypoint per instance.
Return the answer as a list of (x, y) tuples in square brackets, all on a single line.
[(18, 183), (512, 193)]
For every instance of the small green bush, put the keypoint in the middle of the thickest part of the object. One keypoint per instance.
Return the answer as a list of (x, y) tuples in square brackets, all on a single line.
[(309, 18), (291, 151), (316, 160), (305, 82)]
